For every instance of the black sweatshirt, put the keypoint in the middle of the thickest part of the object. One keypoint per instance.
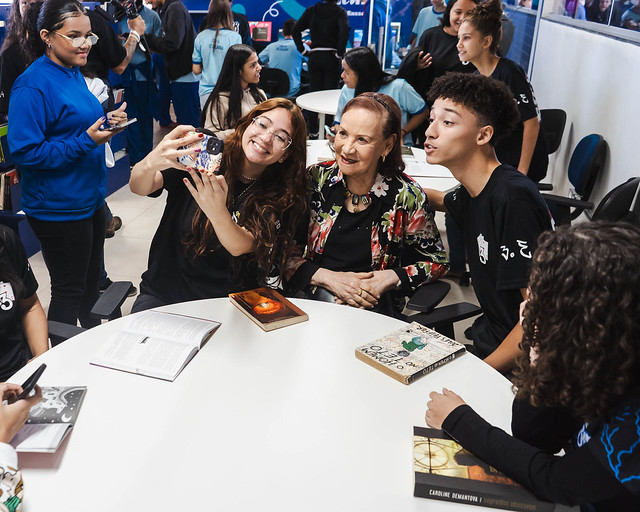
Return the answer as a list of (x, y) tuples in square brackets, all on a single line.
[(176, 44), (329, 26), (601, 474)]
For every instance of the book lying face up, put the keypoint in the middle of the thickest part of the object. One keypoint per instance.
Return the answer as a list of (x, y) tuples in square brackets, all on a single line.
[(444, 470), (267, 308), (409, 352)]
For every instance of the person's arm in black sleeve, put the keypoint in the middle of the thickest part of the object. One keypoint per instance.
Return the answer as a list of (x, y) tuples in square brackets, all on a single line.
[(343, 33), (576, 478), (174, 30), (301, 25), (546, 428)]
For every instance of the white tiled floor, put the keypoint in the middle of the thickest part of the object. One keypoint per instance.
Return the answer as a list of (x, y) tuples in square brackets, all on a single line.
[(127, 252)]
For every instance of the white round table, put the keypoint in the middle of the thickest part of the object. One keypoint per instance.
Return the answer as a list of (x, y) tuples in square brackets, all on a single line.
[(322, 102), (427, 175), (278, 421)]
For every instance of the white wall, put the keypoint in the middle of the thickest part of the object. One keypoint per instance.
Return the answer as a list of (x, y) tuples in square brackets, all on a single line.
[(596, 80)]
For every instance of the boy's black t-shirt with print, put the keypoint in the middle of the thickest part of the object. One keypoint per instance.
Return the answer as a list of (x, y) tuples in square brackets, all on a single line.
[(501, 228)]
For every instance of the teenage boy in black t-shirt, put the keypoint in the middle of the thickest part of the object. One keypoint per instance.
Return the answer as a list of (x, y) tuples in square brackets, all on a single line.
[(500, 209)]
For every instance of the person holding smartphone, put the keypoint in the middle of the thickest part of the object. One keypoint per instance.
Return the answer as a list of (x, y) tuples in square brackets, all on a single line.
[(58, 146), (230, 230), (12, 418)]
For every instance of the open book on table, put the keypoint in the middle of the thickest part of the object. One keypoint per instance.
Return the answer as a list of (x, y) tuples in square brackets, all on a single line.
[(51, 420), (155, 344)]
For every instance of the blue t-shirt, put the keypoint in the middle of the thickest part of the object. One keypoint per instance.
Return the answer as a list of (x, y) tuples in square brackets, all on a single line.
[(427, 18), (285, 56), (408, 99), (64, 174), (153, 26), (631, 15), (212, 58)]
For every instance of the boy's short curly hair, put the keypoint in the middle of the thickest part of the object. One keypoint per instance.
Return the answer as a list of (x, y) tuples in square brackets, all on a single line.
[(490, 100)]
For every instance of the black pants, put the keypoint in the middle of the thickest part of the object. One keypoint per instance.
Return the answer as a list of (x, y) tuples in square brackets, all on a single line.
[(324, 73), (146, 301), (72, 252)]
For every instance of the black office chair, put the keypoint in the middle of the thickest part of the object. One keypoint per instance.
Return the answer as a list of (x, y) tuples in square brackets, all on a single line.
[(585, 165), (552, 123), (621, 203), (274, 82), (441, 319), (107, 307)]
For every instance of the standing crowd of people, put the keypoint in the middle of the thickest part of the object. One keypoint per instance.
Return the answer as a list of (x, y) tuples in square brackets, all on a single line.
[(355, 230)]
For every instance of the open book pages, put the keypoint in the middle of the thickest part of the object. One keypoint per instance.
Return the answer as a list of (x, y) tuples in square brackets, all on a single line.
[(155, 344)]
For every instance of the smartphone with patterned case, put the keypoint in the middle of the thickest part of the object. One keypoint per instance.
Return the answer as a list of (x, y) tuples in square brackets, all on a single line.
[(210, 155)]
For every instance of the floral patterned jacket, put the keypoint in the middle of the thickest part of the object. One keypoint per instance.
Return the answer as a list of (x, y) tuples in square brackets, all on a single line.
[(404, 237)]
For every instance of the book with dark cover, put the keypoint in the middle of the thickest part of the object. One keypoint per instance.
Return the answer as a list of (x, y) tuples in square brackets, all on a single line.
[(409, 352), (267, 308), (51, 420), (444, 470)]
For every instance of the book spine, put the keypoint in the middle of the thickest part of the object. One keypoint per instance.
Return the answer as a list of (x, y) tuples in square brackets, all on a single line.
[(435, 365)]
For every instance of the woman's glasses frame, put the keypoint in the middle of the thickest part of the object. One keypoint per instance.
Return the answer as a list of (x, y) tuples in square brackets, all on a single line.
[(78, 42), (279, 138)]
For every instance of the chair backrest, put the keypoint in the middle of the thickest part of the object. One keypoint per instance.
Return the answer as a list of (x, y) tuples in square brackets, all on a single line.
[(274, 81), (586, 163), (552, 123), (618, 203)]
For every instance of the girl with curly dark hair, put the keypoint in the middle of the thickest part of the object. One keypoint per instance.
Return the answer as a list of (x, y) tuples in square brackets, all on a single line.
[(230, 231), (578, 379)]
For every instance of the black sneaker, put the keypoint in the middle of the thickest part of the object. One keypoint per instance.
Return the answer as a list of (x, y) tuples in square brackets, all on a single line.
[(104, 285), (132, 291)]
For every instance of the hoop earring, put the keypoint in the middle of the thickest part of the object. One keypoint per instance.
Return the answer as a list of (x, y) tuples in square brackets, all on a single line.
[(383, 158)]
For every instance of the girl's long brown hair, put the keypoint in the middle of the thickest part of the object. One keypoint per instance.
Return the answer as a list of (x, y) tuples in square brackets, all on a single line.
[(275, 205)]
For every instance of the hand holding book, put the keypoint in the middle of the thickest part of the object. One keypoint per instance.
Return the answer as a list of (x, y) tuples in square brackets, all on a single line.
[(13, 416)]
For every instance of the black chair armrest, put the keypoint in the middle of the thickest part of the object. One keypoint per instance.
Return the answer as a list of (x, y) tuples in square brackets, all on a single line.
[(561, 208), (568, 201), (428, 296), (63, 331), (107, 307), (446, 314), (544, 186)]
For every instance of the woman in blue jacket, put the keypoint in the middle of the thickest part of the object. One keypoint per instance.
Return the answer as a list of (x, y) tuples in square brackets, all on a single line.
[(56, 141)]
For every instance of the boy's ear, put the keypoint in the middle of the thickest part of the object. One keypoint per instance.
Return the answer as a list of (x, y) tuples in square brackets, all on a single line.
[(485, 134)]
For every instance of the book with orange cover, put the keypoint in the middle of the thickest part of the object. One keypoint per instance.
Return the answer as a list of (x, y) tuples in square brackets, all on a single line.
[(267, 308)]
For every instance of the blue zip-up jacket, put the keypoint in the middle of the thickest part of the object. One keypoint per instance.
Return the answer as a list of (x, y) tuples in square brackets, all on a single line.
[(63, 171)]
